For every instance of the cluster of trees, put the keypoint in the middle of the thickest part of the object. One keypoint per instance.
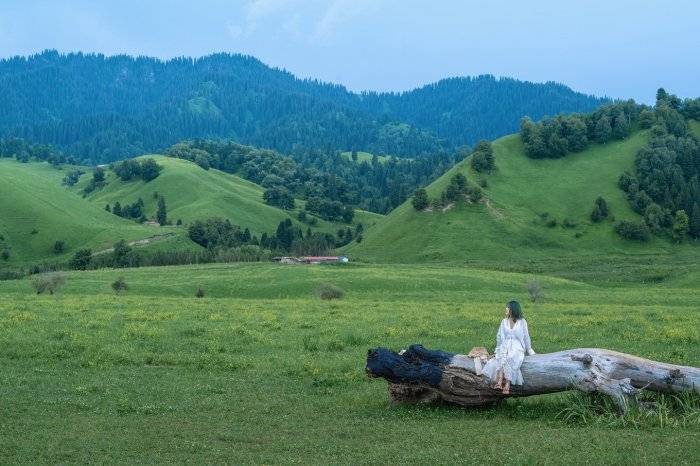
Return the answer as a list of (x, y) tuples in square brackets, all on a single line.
[(665, 185), (483, 159), (133, 211), (221, 234), (146, 169), (459, 187), (333, 211), (24, 151), (558, 136), (377, 186)]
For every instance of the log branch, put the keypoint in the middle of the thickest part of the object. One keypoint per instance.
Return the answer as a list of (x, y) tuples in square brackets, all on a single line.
[(419, 375)]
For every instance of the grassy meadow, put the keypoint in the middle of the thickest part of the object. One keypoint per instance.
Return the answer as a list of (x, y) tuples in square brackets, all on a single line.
[(260, 370), (192, 193), (36, 211)]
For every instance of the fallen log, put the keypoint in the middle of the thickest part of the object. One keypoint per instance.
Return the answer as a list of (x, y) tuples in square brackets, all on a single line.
[(419, 375)]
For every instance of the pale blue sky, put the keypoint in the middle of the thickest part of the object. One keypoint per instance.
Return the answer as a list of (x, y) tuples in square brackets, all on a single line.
[(620, 48)]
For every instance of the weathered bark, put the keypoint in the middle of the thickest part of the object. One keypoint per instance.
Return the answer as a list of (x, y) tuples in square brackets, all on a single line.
[(421, 375)]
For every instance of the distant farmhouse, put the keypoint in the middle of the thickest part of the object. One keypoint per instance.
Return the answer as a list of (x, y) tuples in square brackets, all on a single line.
[(311, 259)]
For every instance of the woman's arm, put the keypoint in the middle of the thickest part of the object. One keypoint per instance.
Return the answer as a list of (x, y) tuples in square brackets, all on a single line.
[(526, 338)]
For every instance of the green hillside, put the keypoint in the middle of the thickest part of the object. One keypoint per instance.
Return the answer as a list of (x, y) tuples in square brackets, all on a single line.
[(192, 193), (522, 196), (36, 211)]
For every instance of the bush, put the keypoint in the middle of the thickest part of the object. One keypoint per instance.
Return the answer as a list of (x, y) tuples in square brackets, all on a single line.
[(5, 254), (119, 285), (420, 200), (482, 157), (534, 289), (81, 259), (10, 274), (59, 247), (48, 282), (600, 210), (328, 291), (199, 293), (632, 231)]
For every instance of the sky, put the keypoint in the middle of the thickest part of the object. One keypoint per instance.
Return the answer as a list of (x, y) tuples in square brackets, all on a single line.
[(615, 48)]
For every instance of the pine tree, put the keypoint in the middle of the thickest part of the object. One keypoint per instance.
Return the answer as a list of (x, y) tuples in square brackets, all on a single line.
[(161, 214), (603, 130), (680, 226), (694, 222)]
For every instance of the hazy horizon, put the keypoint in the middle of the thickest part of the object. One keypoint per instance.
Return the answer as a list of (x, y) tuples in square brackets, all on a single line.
[(389, 45)]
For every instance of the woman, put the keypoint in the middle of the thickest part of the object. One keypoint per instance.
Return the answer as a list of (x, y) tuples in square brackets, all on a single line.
[(512, 342)]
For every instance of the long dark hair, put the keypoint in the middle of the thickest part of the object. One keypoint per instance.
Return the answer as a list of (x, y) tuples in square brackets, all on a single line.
[(516, 312)]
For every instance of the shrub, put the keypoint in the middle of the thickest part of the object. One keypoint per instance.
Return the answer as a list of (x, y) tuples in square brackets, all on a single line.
[(5, 254), (10, 274), (119, 285), (328, 291), (632, 231), (534, 289), (568, 223), (48, 282), (59, 247), (199, 293), (600, 210), (420, 199), (482, 157), (81, 259)]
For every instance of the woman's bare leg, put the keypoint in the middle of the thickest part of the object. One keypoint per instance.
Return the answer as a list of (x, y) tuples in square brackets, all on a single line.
[(506, 388), (499, 379)]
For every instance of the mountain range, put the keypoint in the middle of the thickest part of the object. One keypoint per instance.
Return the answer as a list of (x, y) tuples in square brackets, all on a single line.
[(100, 109)]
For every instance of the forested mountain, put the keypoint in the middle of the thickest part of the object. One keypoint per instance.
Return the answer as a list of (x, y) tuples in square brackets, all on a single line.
[(101, 109), (466, 110)]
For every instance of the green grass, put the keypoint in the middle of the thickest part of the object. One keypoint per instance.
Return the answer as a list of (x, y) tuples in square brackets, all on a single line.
[(365, 157), (511, 228), (262, 371), (192, 193), (33, 200)]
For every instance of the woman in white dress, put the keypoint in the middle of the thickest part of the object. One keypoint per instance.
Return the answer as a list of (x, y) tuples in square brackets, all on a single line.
[(512, 343)]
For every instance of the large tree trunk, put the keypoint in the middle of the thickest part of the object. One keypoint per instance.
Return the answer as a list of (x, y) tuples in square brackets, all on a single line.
[(422, 375)]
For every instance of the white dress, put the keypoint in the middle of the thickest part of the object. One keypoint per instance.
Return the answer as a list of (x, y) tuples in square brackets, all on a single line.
[(511, 346)]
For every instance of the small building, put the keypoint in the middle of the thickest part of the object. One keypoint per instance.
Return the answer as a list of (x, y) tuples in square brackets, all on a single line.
[(311, 259), (323, 259)]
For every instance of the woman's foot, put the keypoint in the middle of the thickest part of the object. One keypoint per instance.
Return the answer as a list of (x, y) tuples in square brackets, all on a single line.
[(506, 389), (498, 386)]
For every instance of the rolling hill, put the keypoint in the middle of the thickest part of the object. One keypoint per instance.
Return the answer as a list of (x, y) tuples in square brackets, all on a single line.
[(192, 193), (36, 211), (522, 197)]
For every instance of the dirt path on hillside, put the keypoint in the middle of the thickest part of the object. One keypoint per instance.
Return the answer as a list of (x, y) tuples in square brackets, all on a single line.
[(138, 242)]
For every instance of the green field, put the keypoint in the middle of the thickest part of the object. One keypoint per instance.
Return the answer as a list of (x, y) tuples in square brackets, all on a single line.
[(261, 371), (510, 227), (365, 157), (36, 211)]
